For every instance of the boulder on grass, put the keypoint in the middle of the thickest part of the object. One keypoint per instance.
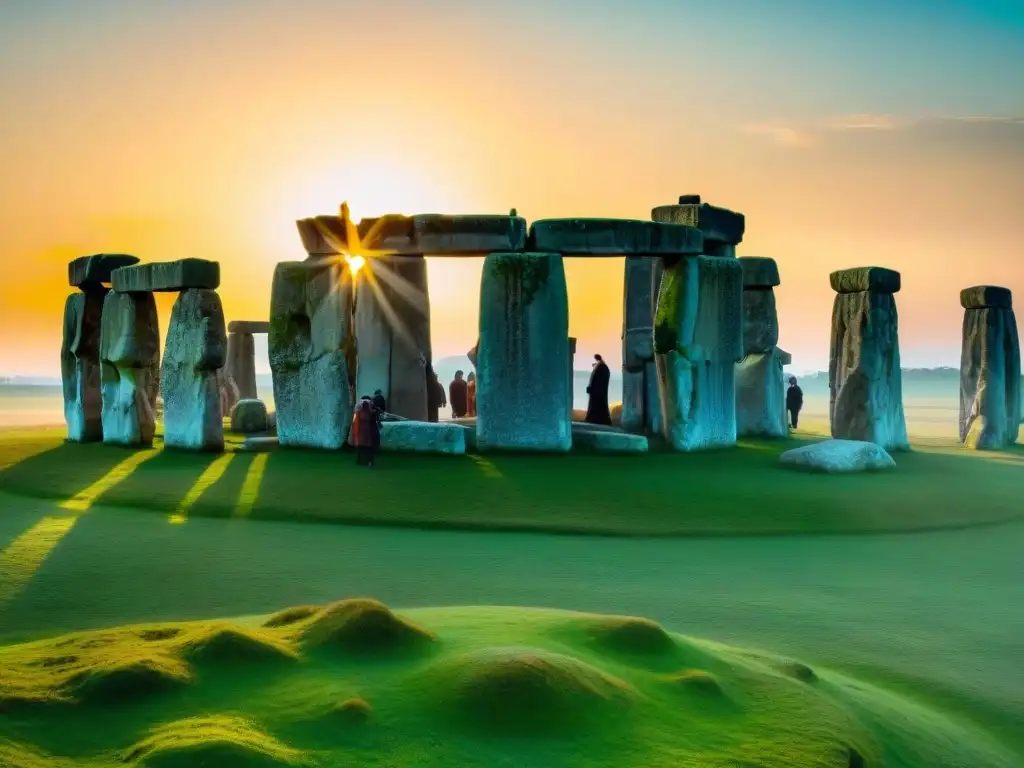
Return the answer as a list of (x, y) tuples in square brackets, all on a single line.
[(249, 417), (423, 437), (838, 457)]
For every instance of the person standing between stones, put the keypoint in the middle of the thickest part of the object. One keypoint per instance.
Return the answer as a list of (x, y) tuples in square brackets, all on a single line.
[(366, 432), (471, 394), (597, 402), (794, 401), (379, 402), (458, 396)]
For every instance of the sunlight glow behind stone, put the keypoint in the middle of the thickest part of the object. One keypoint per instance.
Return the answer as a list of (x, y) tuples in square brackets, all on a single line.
[(355, 263)]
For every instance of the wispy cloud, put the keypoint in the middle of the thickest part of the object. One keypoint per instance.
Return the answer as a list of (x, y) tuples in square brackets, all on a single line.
[(806, 135)]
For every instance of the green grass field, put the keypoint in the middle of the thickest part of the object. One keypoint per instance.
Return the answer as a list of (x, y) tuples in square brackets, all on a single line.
[(915, 639)]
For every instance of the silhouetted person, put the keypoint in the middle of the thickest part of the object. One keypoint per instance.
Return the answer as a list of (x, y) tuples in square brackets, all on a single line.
[(379, 402), (458, 396), (794, 401), (365, 435), (471, 394), (597, 402), (435, 394)]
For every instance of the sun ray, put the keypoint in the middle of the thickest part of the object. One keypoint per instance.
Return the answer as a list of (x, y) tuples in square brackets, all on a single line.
[(85, 498), (251, 486), (210, 476)]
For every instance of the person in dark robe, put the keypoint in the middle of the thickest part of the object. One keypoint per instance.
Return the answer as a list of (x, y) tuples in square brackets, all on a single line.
[(435, 394), (366, 430), (794, 401), (379, 402), (458, 396), (597, 391)]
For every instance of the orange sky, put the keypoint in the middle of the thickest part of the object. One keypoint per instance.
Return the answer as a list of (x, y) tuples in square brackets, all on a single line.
[(205, 130)]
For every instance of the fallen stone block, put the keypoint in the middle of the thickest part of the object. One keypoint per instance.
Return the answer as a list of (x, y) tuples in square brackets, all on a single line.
[(195, 351), (760, 320), (865, 380), (990, 383), (718, 225), (258, 444), (240, 364), (312, 353), (96, 269), (613, 237), (759, 272), (129, 368), (167, 276), (423, 437), (761, 396), (986, 297), (838, 457), (876, 279), (523, 392), (249, 326), (249, 417), (607, 441), (80, 366)]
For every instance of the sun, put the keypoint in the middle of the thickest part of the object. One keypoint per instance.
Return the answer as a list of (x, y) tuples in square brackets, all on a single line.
[(355, 263)]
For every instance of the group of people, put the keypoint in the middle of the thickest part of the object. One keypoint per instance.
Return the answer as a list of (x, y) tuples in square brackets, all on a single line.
[(462, 395)]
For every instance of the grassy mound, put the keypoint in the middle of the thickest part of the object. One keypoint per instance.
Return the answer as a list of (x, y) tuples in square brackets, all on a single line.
[(360, 625), (522, 690), (500, 686), (291, 615), (221, 741)]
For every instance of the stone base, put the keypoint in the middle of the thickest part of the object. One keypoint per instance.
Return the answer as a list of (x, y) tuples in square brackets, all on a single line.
[(608, 441), (865, 381), (311, 343), (80, 366), (990, 391), (423, 437), (195, 351), (129, 368), (761, 396), (522, 386)]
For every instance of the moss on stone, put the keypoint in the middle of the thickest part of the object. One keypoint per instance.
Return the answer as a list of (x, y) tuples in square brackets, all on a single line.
[(530, 271)]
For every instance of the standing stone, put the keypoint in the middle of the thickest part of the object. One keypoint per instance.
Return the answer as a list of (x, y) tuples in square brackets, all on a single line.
[(129, 368), (522, 389), (865, 381), (698, 338), (722, 229), (80, 365), (760, 387), (312, 353), (640, 300), (194, 352), (240, 365), (990, 383)]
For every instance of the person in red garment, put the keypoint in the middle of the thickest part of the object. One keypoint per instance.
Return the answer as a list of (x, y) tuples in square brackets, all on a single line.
[(365, 433), (471, 394)]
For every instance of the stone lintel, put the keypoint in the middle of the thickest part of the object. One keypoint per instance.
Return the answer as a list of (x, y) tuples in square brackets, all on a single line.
[(719, 225), (986, 297), (759, 272), (167, 276), (249, 326), (91, 271), (471, 235), (613, 237), (876, 279)]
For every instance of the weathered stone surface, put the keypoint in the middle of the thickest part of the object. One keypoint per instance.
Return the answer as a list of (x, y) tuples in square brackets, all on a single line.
[(759, 272), (249, 416), (96, 269), (607, 441), (195, 350), (312, 353), (80, 366), (640, 297), (865, 381), (990, 383), (240, 363), (228, 389), (838, 457), (877, 279), (634, 401), (323, 236), (472, 354), (613, 237), (474, 235), (698, 340), (760, 321), (167, 276), (249, 326), (722, 250), (986, 296), (523, 393), (761, 396), (652, 406), (423, 437), (785, 357), (129, 368), (718, 225)]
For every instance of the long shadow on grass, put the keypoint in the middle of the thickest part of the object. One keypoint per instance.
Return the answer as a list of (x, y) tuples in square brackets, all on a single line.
[(63, 471)]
